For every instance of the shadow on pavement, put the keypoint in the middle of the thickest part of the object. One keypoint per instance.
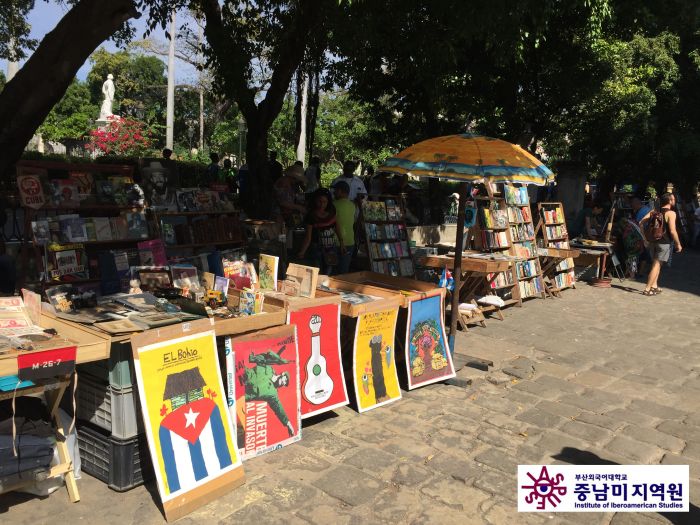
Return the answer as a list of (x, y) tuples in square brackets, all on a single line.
[(575, 456)]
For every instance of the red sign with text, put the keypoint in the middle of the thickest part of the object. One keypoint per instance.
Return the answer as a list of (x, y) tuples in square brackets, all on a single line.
[(47, 363)]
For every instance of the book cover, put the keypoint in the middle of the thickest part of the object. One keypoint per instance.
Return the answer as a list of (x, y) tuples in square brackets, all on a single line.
[(186, 200), (40, 230), (120, 228), (30, 183), (168, 232), (105, 191), (65, 193), (120, 189), (137, 227), (90, 229), (85, 184), (73, 229), (103, 228), (152, 253), (374, 211)]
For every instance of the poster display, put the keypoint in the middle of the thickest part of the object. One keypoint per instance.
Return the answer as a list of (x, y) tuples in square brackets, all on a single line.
[(374, 367), (266, 390), (190, 434), (320, 369), (428, 358)]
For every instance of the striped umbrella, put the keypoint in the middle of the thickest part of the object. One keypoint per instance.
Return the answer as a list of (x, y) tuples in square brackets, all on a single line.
[(470, 158)]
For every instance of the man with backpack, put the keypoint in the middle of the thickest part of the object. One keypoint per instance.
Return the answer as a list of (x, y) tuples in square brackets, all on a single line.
[(660, 231)]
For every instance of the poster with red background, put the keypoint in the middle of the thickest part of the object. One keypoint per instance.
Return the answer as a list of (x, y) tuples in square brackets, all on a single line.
[(266, 390), (320, 369)]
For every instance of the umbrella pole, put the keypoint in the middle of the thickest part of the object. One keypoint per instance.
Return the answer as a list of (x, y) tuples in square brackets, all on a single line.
[(457, 273)]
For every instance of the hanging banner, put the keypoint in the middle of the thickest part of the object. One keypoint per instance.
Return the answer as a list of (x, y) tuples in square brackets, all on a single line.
[(428, 358), (320, 370), (190, 434), (374, 367), (266, 390)]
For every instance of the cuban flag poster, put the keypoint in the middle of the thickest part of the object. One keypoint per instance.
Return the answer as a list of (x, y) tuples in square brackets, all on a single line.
[(189, 430)]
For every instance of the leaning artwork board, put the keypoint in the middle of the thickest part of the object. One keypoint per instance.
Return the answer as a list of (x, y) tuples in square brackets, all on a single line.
[(321, 374), (421, 331), (190, 434)]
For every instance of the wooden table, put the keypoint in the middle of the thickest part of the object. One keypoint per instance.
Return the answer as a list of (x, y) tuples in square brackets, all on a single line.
[(550, 259), (475, 274), (597, 249)]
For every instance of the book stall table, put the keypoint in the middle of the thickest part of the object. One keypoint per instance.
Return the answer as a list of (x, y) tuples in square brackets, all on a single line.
[(594, 252), (47, 368), (555, 260), (479, 273)]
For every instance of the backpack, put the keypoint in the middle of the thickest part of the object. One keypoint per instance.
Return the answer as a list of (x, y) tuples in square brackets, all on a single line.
[(654, 227)]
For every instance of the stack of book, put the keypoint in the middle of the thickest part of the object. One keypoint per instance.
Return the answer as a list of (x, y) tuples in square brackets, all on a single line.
[(385, 231), (502, 279), (526, 269), (494, 219), (525, 249), (530, 288), (516, 214), (553, 216), (494, 239), (516, 196), (73, 228), (556, 232), (389, 250), (522, 232)]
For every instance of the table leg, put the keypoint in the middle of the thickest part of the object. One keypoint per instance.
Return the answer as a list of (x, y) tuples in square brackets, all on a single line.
[(53, 398)]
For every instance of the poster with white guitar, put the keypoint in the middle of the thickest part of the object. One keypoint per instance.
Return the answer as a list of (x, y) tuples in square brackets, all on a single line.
[(320, 370)]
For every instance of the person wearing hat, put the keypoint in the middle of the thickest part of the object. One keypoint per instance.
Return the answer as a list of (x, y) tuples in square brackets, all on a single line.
[(285, 190)]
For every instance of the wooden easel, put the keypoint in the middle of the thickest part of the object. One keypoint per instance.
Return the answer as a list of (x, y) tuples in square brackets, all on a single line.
[(53, 390)]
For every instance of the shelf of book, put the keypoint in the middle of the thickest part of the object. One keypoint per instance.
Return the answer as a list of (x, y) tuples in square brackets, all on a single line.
[(492, 233), (386, 238), (554, 234), (522, 230)]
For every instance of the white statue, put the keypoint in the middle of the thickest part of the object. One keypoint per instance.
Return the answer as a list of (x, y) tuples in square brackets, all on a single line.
[(108, 92)]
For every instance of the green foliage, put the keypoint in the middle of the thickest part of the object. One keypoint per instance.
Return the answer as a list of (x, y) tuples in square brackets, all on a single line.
[(73, 117), (3, 81), (14, 29)]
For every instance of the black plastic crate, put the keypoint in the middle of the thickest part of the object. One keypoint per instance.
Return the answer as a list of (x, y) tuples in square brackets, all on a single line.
[(121, 463)]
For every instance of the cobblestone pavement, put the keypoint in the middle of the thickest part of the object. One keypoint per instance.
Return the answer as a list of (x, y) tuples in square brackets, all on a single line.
[(616, 377)]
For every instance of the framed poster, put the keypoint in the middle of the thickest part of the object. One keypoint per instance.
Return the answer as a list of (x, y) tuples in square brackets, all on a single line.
[(428, 358), (190, 434), (320, 368), (266, 390), (374, 367)]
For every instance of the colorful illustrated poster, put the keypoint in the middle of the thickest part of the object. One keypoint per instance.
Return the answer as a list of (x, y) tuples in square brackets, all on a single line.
[(268, 272), (374, 367), (320, 369), (428, 358), (189, 430), (266, 390)]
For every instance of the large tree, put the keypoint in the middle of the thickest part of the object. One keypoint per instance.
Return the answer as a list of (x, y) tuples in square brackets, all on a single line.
[(28, 98)]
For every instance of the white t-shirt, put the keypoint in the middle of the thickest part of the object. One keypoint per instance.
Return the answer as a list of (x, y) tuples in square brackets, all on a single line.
[(357, 187)]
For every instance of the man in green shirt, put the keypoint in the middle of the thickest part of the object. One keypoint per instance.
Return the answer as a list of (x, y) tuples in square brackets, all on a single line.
[(345, 218)]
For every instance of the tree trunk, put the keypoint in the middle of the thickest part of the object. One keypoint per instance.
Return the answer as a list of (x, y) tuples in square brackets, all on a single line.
[(53, 66), (301, 144), (170, 104), (257, 202), (200, 40), (313, 113)]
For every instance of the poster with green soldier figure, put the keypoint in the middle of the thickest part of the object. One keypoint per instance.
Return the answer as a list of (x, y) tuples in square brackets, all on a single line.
[(266, 390), (428, 358)]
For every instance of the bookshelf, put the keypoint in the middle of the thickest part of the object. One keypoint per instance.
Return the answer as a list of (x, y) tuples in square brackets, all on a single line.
[(388, 248), (522, 233), (187, 230), (554, 234), (492, 234)]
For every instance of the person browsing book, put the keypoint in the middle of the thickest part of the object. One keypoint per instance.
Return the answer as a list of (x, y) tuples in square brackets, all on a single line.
[(323, 239), (345, 218)]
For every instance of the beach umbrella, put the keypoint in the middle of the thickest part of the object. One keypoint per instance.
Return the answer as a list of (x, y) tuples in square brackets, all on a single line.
[(468, 158)]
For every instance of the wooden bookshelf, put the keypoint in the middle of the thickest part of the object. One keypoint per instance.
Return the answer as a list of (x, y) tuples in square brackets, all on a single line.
[(551, 228), (388, 247), (522, 234), (492, 235)]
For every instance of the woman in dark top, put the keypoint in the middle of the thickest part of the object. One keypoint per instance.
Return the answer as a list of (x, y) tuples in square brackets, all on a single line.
[(322, 240)]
